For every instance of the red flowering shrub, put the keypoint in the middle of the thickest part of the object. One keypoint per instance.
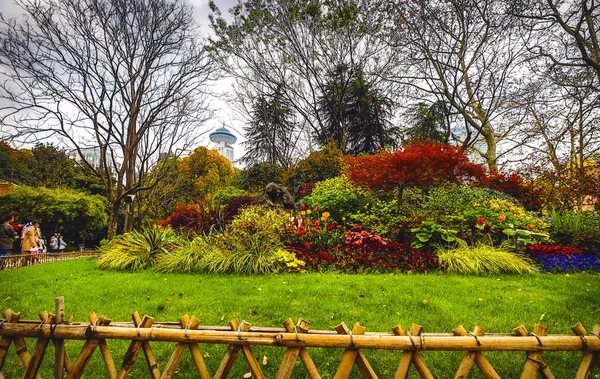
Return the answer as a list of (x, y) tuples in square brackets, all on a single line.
[(195, 218), (235, 204), (419, 164), (552, 250), (305, 190), (513, 185)]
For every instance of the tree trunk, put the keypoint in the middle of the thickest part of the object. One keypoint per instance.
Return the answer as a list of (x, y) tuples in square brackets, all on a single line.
[(113, 218)]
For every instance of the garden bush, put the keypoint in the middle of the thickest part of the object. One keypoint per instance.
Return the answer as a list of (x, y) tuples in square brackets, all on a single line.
[(203, 217), (419, 164), (325, 164), (256, 177), (339, 197), (578, 229), (483, 259), (224, 195), (235, 205), (138, 250), (250, 244)]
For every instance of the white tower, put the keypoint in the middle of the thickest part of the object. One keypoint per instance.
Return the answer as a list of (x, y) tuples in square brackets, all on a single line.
[(223, 140)]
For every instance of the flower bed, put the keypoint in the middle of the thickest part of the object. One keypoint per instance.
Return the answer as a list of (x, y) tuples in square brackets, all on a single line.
[(553, 258)]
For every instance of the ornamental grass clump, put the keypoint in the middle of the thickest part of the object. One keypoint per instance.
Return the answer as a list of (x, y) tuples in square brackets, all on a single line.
[(483, 259), (138, 250), (192, 256), (251, 242)]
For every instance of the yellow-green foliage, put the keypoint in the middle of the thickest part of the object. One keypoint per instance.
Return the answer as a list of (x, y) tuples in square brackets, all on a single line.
[(483, 259), (250, 245), (191, 256), (505, 206), (139, 249)]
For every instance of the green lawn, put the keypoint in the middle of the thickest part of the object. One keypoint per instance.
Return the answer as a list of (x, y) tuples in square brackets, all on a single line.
[(496, 303)]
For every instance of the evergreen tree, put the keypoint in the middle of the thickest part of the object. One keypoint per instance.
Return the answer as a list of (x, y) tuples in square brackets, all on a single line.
[(356, 114), (270, 134), (428, 122)]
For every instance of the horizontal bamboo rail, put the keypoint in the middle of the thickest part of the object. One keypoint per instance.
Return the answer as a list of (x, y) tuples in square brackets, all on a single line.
[(9, 262), (240, 337)]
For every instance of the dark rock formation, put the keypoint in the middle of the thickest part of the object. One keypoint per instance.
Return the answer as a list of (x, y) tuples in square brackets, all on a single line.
[(276, 195)]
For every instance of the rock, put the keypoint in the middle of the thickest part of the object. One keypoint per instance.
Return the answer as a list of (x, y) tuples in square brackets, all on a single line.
[(276, 195)]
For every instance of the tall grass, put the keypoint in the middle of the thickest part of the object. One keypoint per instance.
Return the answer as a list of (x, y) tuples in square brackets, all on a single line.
[(138, 250), (483, 259)]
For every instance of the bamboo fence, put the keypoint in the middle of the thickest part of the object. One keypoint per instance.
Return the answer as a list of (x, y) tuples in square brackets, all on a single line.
[(9, 262), (188, 334)]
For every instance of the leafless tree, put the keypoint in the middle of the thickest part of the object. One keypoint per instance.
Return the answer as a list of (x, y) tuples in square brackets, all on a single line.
[(295, 46), (566, 34), (464, 53), (125, 78)]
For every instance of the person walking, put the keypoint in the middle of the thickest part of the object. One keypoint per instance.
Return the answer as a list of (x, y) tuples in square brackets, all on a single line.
[(8, 235), (62, 245), (30, 241), (18, 228), (54, 244)]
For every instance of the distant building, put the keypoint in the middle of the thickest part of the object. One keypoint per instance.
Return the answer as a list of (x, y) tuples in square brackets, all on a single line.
[(223, 140), (91, 155)]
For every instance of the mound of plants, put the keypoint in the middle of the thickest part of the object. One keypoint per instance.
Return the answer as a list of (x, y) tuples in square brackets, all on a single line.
[(138, 250), (483, 259), (250, 245), (363, 251)]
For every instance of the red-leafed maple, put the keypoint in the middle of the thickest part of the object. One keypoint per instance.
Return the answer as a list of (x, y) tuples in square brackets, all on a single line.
[(418, 164)]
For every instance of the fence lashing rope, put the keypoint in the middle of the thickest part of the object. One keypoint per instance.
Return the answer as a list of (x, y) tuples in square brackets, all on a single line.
[(477, 339), (536, 337)]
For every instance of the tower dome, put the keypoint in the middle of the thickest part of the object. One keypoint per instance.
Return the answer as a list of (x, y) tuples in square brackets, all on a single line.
[(223, 140)]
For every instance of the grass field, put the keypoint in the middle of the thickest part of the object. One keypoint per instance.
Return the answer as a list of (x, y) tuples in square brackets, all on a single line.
[(496, 303)]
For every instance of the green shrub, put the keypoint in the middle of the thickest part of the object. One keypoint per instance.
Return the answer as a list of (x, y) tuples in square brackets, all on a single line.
[(339, 197), (447, 205), (318, 166), (256, 177), (578, 229), (139, 249), (224, 195), (483, 259), (74, 214)]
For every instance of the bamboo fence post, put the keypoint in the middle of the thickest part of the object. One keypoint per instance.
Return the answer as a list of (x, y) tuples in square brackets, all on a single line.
[(534, 361), (233, 351), (353, 355), (106, 354), (59, 344), (291, 354), (589, 359), (411, 356), (134, 348), (9, 316), (474, 356), (88, 349), (197, 356), (186, 323), (150, 359), (40, 348)]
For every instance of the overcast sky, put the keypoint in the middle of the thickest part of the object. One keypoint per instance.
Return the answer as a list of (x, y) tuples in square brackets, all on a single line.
[(223, 113)]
